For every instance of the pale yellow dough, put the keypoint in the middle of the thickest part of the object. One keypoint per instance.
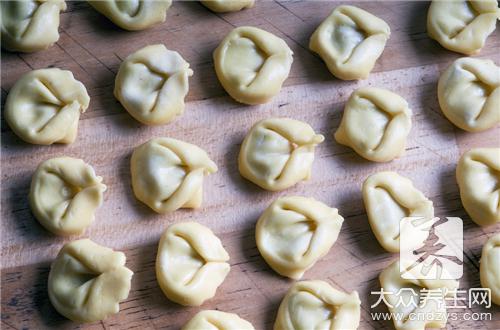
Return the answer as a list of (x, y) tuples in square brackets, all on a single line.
[(87, 281), (191, 263), (225, 6), (317, 305), (350, 41), (278, 152), (152, 83), (30, 26), (167, 174), (44, 106), (216, 320), (64, 195), (390, 197), (133, 15), (252, 64), (469, 94), (375, 124), (462, 26), (433, 306), (478, 177), (490, 267), (294, 232)]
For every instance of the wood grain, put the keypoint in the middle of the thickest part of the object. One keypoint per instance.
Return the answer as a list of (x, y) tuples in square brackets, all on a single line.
[(93, 48)]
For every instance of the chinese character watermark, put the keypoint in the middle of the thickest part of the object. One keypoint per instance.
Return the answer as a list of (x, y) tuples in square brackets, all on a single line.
[(480, 296), (431, 248), (455, 298)]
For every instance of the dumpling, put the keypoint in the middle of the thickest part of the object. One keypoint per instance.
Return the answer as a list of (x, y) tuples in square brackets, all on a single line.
[(133, 15), (278, 152), (462, 26), (191, 263), (478, 177), (415, 299), (375, 124), (252, 64), (152, 83), (217, 320), (44, 106), (294, 232), (490, 267), (87, 281), (469, 94), (390, 197), (30, 26), (167, 174), (225, 6), (64, 195), (317, 305), (350, 41)]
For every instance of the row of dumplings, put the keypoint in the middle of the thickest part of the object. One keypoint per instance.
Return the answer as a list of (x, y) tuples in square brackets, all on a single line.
[(30, 26), (44, 106), (252, 64), (277, 153), (88, 281), (461, 26)]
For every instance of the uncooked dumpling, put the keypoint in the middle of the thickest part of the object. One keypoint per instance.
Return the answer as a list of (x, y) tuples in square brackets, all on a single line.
[(133, 14), (44, 106), (64, 195), (432, 305), (167, 174), (350, 41), (390, 197), (478, 177), (278, 152), (490, 267), (152, 83), (462, 26), (252, 64), (294, 232), (217, 320), (191, 263), (375, 124), (469, 94), (28, 25), (225, 6), (88, 281), (317, 305)]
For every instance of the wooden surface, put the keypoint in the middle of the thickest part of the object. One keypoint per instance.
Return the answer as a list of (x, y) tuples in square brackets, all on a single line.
[(93, 48)]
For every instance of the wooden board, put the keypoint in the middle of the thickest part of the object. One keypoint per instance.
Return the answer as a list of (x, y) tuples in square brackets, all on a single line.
[(93, 48)]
